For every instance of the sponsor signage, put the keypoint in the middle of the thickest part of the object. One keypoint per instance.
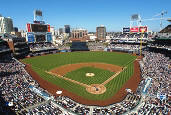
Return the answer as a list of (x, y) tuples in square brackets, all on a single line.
[(49, 37), (143, 29), (126, 30), (134, 29), (30, 37), (48, 28), (28, 28), (43, 94)]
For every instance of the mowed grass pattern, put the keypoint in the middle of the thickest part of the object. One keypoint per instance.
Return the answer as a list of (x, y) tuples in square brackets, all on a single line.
[(79, 75), (55, 60), (48, 62)]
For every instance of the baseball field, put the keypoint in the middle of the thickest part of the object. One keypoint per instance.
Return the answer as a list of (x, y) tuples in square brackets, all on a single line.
[(93, 76)]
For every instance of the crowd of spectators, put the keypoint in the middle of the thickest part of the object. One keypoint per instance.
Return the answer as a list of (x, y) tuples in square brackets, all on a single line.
[(65, 46), (157, 99), (41, 46), (3, 47), (44, 109), (128, 35), (96, 46), (124, 46), (130, 101), (14, 88), (129, 48), (160, 46)]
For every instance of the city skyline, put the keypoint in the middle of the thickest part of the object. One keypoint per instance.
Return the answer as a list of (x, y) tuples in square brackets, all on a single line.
[(86, 14)]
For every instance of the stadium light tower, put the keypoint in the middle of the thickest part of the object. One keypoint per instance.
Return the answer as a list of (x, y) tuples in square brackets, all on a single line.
[(135, 18), (161, 18), (38, 16)]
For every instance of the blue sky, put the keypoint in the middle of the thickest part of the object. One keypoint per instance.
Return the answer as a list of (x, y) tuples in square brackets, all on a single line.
[(88, 14)]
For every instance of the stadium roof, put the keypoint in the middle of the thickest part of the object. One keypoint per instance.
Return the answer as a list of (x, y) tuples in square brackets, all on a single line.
[(163, 38), (166, 29), (169, 19)]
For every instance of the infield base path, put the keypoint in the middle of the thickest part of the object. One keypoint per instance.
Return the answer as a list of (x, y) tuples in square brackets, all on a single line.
[(93, 88)]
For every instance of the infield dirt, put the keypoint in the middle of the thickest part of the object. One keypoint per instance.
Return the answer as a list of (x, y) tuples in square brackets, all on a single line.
[(62, 70)]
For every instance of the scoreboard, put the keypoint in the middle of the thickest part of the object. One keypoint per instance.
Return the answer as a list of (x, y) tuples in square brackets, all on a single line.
[(38, 33), (38, 28)]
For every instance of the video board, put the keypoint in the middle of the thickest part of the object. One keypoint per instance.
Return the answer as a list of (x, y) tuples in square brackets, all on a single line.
[(39, 28)]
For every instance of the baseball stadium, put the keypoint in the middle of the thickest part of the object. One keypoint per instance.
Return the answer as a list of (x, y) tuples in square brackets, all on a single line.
[(85, 73)]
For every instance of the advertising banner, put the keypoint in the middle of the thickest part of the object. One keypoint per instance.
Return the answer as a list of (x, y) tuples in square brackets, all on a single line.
[(30, 37), (48, 28), (28, 28), (134, 29), (49, 37), (143, 29), (126, 30)]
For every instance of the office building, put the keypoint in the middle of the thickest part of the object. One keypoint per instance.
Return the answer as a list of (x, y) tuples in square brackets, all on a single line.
[(60, 31), (101, 32), (6, 25), (67, 29), (79, 33)]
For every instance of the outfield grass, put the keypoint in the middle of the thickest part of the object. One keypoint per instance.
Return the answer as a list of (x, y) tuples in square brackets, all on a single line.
[(79, 75), (55, 60), (48, 62)]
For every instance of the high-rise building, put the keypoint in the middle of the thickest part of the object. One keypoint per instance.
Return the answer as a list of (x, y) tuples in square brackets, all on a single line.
[(52, 30), (60, 31), (101, 32), (15, 29), (6, 25), (67, 29)]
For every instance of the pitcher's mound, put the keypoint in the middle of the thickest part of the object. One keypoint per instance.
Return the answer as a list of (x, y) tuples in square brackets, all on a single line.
[(96, 89), (90, 74)]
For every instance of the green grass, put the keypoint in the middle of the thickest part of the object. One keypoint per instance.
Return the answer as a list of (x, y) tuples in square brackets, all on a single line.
[(48, 62), (55, 60), (80, 75)]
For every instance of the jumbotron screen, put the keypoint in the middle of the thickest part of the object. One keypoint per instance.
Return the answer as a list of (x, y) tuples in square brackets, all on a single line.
[(39, 28)]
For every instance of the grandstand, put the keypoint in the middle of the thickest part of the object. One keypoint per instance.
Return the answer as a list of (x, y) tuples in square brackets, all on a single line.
[(18, 45), (128, 42), (162, 42), (4, 48), (165, 33), (40, 48), (166, 29)]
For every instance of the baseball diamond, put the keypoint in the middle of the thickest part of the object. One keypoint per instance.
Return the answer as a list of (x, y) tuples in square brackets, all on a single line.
[(67, 71)]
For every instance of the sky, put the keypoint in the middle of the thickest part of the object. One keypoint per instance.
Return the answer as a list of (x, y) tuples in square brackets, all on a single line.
[(88, 14)]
